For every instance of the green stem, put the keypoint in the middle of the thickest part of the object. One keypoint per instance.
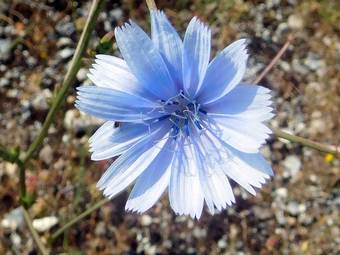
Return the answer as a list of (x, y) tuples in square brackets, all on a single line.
[(308, 143), (151, 5), (69, 78), (78, 218), (41, 248), (12, 156)]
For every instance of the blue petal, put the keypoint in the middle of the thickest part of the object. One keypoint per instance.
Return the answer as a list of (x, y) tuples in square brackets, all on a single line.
[(216, 187), (249, 102), (247, 169), (185, 191), (153, 181), (113, 73), (145, 61), (133, 162), (109, 142), (168, 42), (243, 135), (115, 105), (196, 55), (224, 73)]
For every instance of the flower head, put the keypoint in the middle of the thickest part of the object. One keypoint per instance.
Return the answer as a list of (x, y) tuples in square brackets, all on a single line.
[(187, 124)]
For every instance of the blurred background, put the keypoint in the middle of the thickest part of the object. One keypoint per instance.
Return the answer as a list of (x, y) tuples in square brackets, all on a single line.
[(297, 212)]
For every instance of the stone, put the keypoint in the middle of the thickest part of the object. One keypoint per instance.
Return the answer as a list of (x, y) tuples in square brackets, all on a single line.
[(282, 192), (295, 208), (46, 154), (82, 74), (76, 121), (66, 53), (64, 41), (44, 224), (39, 101), (146, 220), (65, 27), (5, 49), (292, 165), (13, 220), (295, 22)]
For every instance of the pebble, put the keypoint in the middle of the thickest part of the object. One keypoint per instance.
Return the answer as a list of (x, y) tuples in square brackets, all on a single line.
[(13, 220), (44, 224), (66, 53), (39, 101), (76, 121), (82, 74), (222, 244), (281, 192), (146, 220), (295, 22), (64, 41), (262, 213), (292, 165), (295, 208), (5, 48), (46, 154), (116, 13), (16, 239), (65, 27), (314, 62)]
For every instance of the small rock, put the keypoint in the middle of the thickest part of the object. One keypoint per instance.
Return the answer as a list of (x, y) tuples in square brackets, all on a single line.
[(39, 101), (44, 224), (222, 243), (82, 74), (73, 120), (16, 239), (14, 219), (295, 208), (64, 41), (65, 27), (5, 48), (314, 62), (281, 192), (262, 213), (66, 53), (46, 154), (4, 82), (100, 229), (295, 22), (146, 220), (116, 13), (292, 165)]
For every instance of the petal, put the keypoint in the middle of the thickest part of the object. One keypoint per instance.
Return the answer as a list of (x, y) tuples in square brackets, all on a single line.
[(224, 73), (113, 73), (216, 187), (196, 54), (109, 142), (133, 162), (168, 42), (243, 135), (145, 61), (115, 105), (185, 193), (250, 101), (244, 168), (153, 181)]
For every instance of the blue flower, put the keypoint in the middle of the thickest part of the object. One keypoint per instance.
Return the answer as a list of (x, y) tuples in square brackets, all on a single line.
[(187, 124)]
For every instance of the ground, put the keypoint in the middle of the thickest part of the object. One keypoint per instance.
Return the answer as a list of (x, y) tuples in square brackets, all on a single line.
[(297, 212)]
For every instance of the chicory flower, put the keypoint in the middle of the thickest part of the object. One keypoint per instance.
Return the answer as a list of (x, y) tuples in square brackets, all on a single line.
[(186, 124)]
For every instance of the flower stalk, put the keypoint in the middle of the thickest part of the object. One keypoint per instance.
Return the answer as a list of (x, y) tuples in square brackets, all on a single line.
[(40, 246), (87, 212), (69, 78)]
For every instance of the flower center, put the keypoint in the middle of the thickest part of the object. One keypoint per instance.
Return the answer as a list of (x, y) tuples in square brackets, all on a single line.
[(185, 114)]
